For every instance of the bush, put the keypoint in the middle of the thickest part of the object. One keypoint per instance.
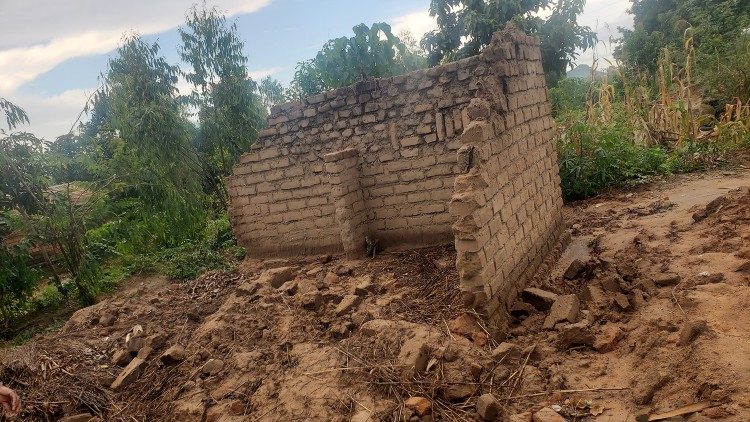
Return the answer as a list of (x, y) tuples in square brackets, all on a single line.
[(594, 157), (570, 94)]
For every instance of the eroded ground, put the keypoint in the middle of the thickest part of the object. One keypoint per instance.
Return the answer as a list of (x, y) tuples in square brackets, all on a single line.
[(646, 312)]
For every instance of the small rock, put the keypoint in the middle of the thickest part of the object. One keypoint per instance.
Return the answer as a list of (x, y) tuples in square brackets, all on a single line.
[(593, 295), (326, 259), (622, 301), (238, 407), (508, 352), (314, 271), (275, 263), (667, 280), (710, 278), (538, 298), (637, 298), (276, 277), (82, 417), (546, 414), (156, 341), (421, 406), (612, 283), (344, 270), (347, 304), (627, 270), (690, 330), (248, 288), (575, 335), (487, 407), (290, 288), (129, 374), (574, 269), (456, 392), (107, 319), (364, 286), (173, 355), (121, 357), (565, 308), (467, 326), (521, 309), (311, 300), (134, 344), (415, 354), (330, 279), (144, 353), (212, 367), (607, 339)]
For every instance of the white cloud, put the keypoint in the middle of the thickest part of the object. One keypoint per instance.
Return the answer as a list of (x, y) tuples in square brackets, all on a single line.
[(39, 34), (417, 23), (52, 116)]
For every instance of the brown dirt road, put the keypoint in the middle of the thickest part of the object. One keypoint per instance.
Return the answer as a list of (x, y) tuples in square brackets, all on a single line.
[(664, 291)]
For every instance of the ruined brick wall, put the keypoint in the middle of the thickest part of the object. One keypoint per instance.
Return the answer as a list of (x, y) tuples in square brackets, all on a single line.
[(382, 158), (507, 201)]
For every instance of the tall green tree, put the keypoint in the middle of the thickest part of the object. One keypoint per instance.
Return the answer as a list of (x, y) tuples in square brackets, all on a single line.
[(271, 92), (719, 31), (372, 52), (230, 112), (466, 26), (153, 160)]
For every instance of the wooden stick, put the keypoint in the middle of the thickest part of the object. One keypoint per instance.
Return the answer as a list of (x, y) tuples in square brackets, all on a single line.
[(582, 390)]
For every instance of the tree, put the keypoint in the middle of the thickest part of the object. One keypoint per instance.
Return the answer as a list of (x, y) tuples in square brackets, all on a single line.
[(230, 112), (271, 92), (717, 29), (153, 159), (14, 115), (466, 26), (372, 52)]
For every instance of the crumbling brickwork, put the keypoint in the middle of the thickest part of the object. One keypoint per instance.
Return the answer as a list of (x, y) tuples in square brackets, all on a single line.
[(386, 157)]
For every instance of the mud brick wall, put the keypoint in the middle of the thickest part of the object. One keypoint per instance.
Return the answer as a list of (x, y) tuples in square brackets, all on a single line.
[(507, 201), (459, 153)]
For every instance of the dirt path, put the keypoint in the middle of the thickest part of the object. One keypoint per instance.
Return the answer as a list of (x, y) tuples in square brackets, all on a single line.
[(661, 281)]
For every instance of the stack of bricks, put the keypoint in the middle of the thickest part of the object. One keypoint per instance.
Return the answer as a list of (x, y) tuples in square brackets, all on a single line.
[(381, 158)]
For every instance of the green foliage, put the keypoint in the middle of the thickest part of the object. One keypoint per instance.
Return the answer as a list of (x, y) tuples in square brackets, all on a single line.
[(17, 279), (14, 115), (593, 157), (230, 112), (466, 26), (271, 92), (570, 94), (372, 52), (154, 139), (719, 31)]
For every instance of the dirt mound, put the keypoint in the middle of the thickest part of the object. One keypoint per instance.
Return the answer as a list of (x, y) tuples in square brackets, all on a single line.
[(643, 315)]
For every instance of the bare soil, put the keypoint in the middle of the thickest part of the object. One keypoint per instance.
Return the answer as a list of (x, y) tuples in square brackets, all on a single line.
[(662, 276)]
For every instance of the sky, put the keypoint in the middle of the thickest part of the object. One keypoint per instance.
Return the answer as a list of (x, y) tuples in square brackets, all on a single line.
[(53, 52)]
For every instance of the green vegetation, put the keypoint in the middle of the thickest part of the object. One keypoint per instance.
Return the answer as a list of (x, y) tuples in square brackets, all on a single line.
[(372, 52), (466, 26)]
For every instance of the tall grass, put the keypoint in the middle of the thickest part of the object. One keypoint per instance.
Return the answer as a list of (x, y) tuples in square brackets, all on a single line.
[(627, 130)]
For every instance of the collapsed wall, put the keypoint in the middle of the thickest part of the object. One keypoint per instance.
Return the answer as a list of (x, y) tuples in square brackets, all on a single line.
[(384, 158)]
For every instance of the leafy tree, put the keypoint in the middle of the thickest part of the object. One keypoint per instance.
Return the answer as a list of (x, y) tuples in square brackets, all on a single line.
[(372, 52), (230, 112), (718, 30), (14, 115), (271, 92), (466, 26), (153, 160)]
